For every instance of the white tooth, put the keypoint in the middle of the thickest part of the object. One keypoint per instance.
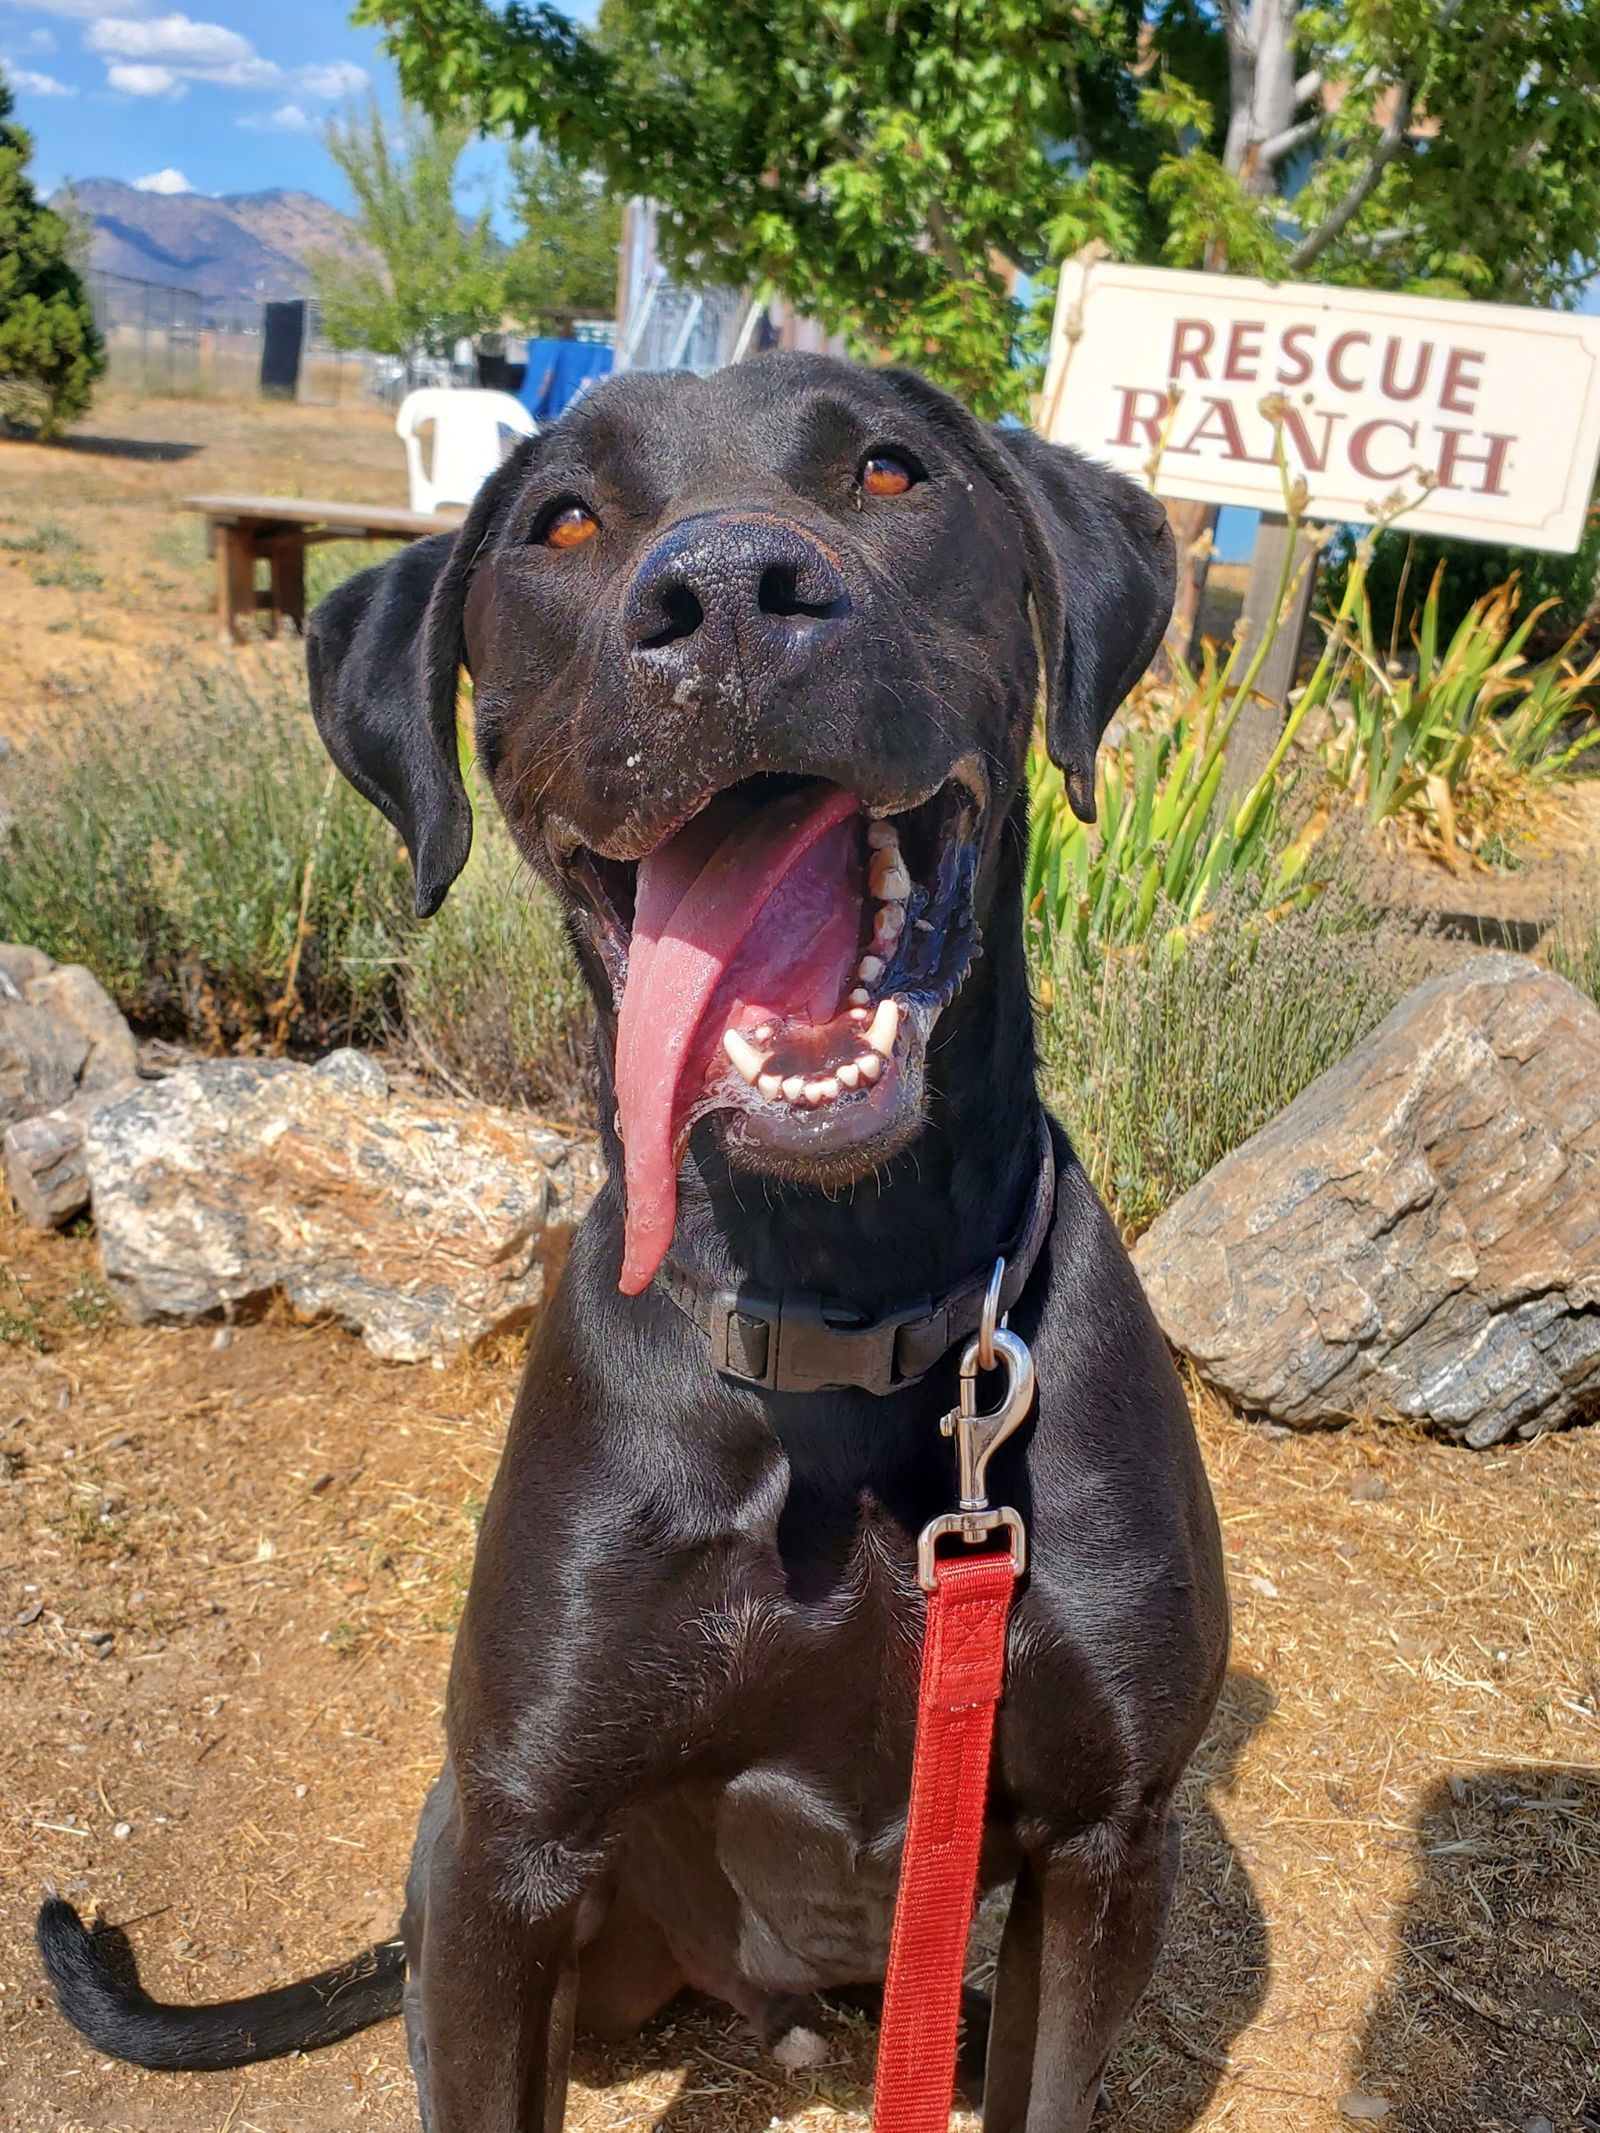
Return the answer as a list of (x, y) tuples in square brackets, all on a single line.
[(861, 1014), (746, 1059), (763, 1035), (849, 1075), (888, 925), (794, 1088), (888, 878), (771, 1086), (829, 1086), (870, 968), (817, 1091), (871, 1066), (860, 997), (885, 1027), (883, 836)]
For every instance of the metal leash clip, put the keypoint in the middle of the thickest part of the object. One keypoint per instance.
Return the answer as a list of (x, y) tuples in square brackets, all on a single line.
[(978, 1437)]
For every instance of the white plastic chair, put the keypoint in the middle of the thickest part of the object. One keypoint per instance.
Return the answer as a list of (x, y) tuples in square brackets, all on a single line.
[(469, 441)]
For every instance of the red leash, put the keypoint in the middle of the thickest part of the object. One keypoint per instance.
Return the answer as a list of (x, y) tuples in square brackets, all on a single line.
[(963, 1673)]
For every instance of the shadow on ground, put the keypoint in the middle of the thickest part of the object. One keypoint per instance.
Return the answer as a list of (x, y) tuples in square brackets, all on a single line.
[(1210, 1983), (1490, 2019), (1212, 1977), (126, 447)]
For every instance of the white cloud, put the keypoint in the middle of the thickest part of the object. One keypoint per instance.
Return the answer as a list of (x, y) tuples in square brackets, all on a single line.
[(40, 41), (146, 81), (192, 51), (163, 181), (170, 39), (33, 84), (288, 118), (340, 77)]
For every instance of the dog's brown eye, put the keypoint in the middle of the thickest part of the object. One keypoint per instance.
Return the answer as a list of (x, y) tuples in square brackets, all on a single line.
[(570, 528), (882, 475)]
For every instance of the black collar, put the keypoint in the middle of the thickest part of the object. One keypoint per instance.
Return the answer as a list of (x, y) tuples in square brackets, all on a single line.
[(798, 1340)]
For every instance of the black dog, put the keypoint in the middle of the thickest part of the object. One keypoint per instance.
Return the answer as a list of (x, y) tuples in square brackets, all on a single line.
[(756, 660)]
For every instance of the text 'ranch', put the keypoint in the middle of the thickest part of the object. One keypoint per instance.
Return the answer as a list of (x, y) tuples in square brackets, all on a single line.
[(1220, 374)]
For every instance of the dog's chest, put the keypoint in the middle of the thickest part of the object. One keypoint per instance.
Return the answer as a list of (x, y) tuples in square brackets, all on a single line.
[(814, 1875)]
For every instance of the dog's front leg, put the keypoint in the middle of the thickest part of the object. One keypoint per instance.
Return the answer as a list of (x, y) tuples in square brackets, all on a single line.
[(496, 1980), (1080, 1943)]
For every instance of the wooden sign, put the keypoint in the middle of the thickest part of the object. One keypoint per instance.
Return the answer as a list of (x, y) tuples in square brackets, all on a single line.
[(1488, 415)]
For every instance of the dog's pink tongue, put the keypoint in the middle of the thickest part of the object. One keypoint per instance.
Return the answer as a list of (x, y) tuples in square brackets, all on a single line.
[(698, 900)]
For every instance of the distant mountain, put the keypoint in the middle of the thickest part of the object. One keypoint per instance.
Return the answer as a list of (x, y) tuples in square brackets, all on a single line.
[(241, 250)]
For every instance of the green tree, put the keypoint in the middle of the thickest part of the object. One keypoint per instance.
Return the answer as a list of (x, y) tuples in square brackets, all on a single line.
[(563, 266), (50, 353), (431, 276), (887, 163)]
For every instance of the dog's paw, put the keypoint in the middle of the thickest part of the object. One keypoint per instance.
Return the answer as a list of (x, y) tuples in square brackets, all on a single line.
[(800, 2047)]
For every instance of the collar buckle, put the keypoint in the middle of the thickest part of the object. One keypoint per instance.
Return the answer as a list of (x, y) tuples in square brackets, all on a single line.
[(797, 1342)]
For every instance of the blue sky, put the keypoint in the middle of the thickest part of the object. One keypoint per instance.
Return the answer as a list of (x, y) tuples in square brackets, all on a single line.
[(230, 99)]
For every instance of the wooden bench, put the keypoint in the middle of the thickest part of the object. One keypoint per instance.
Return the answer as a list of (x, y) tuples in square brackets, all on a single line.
[(240, 530)]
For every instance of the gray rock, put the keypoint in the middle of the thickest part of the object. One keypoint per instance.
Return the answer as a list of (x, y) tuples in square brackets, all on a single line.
[(1418, 1234), (45, 1159), (61, 1036), (425, 1226)]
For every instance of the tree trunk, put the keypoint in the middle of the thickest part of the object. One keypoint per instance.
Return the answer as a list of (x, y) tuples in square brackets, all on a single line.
[(1261, 84), (1261, 105)]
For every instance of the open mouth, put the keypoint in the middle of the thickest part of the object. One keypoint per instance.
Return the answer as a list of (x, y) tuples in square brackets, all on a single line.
[(781, 957)]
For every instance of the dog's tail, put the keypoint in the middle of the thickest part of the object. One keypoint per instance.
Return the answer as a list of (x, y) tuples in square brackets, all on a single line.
[(99, 1993)]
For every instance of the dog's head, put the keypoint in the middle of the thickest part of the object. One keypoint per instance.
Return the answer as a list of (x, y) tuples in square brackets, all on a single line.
[(755, 661)]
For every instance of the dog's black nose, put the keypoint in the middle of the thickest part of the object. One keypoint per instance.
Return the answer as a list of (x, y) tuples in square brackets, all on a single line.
[(734, 585)]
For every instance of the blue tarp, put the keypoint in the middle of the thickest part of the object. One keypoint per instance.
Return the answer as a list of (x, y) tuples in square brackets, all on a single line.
[(557, 372)]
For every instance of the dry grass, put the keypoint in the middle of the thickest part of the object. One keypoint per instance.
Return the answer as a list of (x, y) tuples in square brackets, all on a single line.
[(1393, 1856)]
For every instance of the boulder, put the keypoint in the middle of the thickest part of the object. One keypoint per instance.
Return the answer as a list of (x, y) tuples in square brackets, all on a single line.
[(425, 1226), (61, 1035), (45, 1158), (1418, 1235)]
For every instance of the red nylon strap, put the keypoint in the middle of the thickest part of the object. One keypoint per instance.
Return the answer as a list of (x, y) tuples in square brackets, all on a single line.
[(963, 1667)]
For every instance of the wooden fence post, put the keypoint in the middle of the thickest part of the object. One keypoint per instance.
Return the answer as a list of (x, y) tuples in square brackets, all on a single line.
[(1260, 722)]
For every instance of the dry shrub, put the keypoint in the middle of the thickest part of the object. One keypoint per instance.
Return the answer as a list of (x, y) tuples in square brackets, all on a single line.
[(1573, 943), (196, 849), (1162, 1063), (493, 999)]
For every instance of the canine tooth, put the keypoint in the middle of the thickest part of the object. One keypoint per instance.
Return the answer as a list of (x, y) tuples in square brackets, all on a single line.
[(885, 1027), (887, 878), (883, 836), (794, 1088), (746, 1059), (771, 1086), (849, 1074), (860, 997), (870, 968), (870, 1066), (888, 925)]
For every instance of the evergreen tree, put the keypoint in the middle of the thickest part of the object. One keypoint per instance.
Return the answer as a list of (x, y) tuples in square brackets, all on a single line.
[(50, 352)]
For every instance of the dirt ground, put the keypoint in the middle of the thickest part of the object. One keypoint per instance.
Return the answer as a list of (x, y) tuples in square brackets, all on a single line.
[(102, 572), (231, 1559)]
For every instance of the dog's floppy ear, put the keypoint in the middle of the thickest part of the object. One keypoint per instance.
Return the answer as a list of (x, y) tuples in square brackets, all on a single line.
[(1101, 618), (383, 655), (1101, 565)]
